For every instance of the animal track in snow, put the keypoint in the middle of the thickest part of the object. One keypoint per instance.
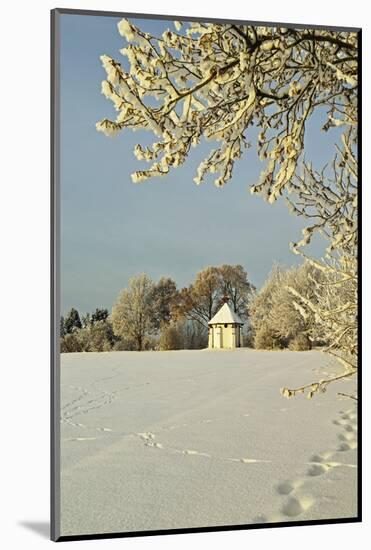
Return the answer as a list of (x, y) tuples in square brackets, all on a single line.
[(80, 406), (193, 452), (250, 460), (85, 402), (148, 437), (149, 440), (72, 409)]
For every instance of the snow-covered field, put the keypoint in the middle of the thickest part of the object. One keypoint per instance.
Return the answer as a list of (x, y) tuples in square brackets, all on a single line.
[(164, 440)]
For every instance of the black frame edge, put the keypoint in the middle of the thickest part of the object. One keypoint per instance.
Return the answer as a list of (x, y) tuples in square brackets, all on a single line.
[(225, 528), (167, 17)]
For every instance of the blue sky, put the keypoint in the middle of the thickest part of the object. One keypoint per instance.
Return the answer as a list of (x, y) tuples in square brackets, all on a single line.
[(112, 229)]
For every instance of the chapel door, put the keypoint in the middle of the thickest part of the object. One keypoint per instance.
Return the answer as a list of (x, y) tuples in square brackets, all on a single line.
[(234, 338), (218, 337)]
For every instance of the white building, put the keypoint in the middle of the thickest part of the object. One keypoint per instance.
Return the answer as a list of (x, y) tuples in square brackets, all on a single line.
[(225, 329)]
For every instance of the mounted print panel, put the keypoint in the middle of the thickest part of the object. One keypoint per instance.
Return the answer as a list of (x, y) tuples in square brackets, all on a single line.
[(205, 290)]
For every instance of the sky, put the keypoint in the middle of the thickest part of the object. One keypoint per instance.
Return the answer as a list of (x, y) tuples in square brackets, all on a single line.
[(113, 229)]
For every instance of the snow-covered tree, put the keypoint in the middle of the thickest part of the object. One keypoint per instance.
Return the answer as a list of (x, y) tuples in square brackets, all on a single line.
[(170, 338), (97, 336), (274, 314), (133, 312), (332, 205), (217, 80)]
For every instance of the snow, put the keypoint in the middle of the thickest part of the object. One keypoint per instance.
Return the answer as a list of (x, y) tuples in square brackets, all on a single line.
[(225, 315), (182, 439)]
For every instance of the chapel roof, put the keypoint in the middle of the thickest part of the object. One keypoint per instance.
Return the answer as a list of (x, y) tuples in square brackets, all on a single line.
[(225, 315)]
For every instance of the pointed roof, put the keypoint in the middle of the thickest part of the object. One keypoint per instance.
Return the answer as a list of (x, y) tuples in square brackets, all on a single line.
[(225, 315)]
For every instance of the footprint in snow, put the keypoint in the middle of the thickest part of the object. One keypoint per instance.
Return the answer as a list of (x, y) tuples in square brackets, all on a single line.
[(294, 506), (274, 518), (347, 446), (318, 470), (320, 465), (287, 487), (346, 437), (323, 457)]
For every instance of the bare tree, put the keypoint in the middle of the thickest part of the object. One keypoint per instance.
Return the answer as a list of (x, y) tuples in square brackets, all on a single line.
[(236, 287), (202, 299), (199, 301), (164, 294)]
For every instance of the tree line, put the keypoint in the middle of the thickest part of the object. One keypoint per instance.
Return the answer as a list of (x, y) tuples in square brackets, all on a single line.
[(157, 315), (149, 315)]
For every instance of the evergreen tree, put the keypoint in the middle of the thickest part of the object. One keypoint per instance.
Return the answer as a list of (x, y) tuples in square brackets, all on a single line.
[(72, 321)]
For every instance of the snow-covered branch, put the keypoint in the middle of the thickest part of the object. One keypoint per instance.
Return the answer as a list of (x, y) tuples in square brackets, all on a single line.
[(217, 81)]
